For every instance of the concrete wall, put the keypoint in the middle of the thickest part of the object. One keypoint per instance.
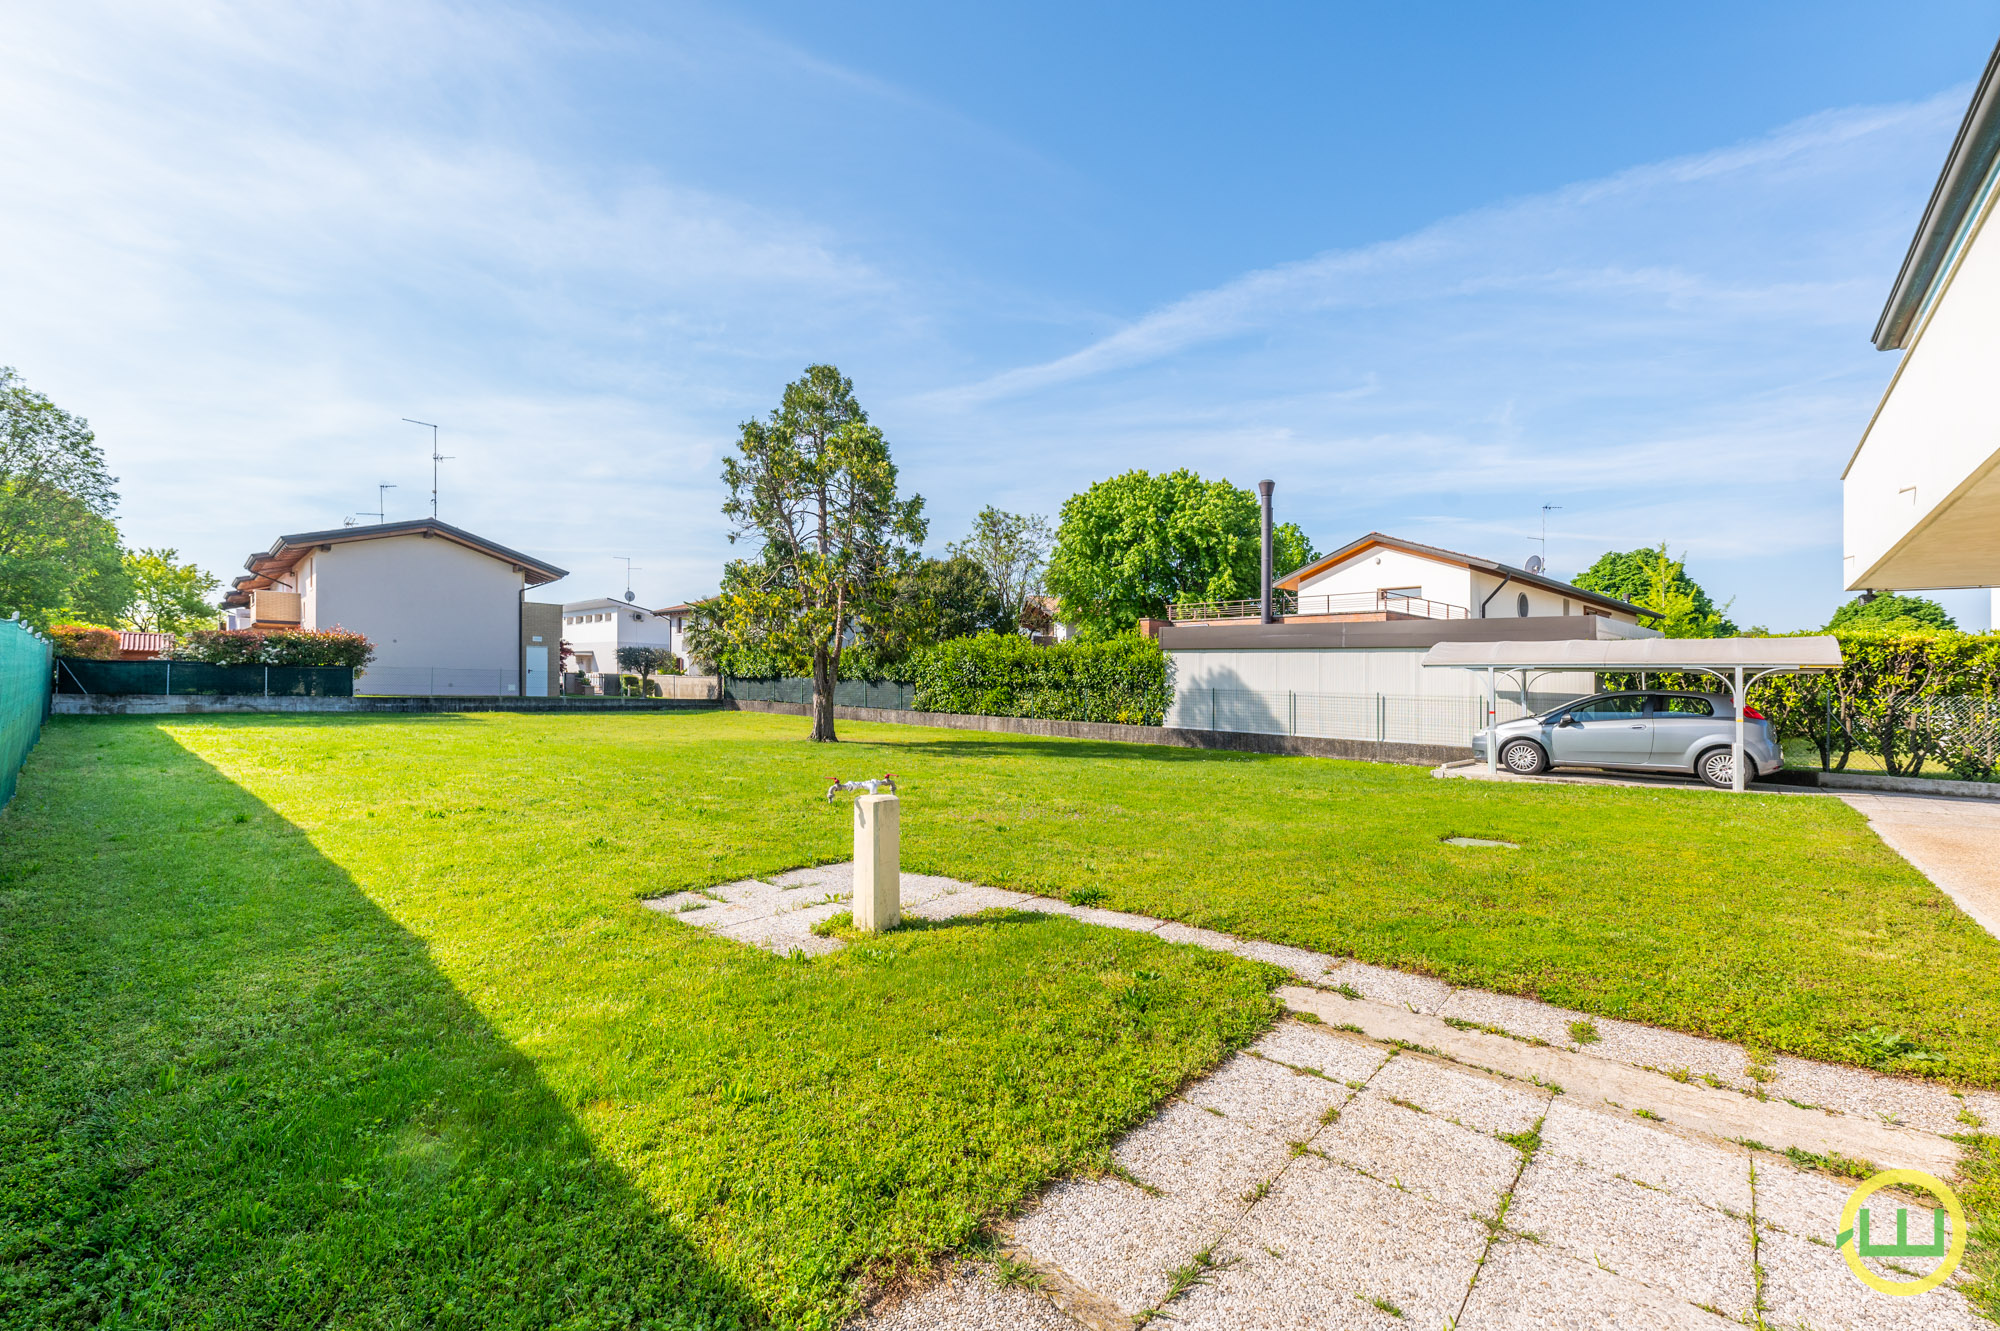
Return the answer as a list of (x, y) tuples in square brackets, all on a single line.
[(424, 603), (1927, 472), (1396, 672)]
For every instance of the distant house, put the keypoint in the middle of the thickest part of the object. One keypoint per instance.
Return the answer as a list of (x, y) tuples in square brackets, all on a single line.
[(1352, 626), (444, 608), (597, 628), (137, 646)]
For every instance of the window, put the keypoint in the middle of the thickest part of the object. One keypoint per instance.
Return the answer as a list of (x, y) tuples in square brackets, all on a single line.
[(1618, 707), (1402, 593), (1565, 605), (1677, 704), (1521, 605)]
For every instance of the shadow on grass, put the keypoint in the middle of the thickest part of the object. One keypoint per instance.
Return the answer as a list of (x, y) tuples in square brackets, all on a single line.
[(1041, 746), (238, 1093)]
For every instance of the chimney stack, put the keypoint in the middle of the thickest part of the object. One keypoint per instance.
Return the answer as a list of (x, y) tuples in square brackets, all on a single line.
[(1264, 489)]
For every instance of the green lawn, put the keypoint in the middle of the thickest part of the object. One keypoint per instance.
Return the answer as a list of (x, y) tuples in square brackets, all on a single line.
[(357, 1021)]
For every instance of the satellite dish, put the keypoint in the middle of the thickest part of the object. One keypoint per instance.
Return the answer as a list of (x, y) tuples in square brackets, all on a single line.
[(1535, 564), (629, 596)]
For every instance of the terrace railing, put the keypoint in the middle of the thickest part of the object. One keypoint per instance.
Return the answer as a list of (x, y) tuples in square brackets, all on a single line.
[(1293, 604)]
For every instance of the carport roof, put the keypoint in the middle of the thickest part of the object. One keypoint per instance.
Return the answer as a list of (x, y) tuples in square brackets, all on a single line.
[(1762, 654)]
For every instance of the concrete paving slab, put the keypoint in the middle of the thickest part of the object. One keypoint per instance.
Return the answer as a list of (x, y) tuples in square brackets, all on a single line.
[(1324, 1245), (1866, 1094), (1727, 1115), (1110, 919), (1460, 1169), (1670, 1051), (1201, 1158), (1644, 1234), (1268, 1097), (1180, 933), (1471, 1099), (1950, 841), (1653, 1155), (1526, 1017), (827, 877), (967, 901), (1799, 1202), (787, 933), (1811, 1286), (1117, 1241), (1417, 993), (1336, 1054), (964, 1298), (1307, 965), (1528, 1287)]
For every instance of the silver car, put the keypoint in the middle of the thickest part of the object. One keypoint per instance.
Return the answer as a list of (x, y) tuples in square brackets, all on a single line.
[(1652, 730)]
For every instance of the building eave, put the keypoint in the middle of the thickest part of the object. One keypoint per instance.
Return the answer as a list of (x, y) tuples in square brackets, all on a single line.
[(1960, 184), (286, 551)]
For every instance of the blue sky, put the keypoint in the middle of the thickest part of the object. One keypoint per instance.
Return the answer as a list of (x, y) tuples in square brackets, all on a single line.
[(1429, 267)]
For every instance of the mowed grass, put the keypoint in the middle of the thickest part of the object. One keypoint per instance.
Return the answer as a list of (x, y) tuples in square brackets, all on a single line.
[(358, 1021), (362, 1025)]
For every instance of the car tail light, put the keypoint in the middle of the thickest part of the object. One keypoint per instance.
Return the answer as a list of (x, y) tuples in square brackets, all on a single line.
[(1751, 713)]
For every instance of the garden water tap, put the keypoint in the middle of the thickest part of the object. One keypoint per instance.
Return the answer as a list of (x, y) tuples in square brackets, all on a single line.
[(873, 785)]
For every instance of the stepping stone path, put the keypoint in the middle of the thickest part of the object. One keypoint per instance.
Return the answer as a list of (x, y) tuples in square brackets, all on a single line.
[(1399, 1153)]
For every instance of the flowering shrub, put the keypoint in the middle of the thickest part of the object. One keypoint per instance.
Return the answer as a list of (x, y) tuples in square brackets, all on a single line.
[(86, 641), (288, 647), (318, 647)]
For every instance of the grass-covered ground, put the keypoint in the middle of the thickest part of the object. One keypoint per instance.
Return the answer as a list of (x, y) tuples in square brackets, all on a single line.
[(358, 1021)]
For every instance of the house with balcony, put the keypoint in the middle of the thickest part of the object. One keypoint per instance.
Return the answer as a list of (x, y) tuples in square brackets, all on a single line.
[(1921, 491), (1348, 631), (445, 609)]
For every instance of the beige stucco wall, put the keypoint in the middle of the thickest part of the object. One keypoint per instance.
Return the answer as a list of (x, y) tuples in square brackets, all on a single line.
[(426, 603)]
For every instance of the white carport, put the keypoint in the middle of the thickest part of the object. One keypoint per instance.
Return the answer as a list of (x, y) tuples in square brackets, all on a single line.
[(1737, 662)]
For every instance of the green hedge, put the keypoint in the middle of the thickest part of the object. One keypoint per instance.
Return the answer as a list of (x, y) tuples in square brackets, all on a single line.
[(1121, 680)]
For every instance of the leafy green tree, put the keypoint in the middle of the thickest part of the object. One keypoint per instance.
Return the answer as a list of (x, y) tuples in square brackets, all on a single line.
[(1013, 549), (59, 552), (167, 595), (932, 601), (814, 487), (1653, 580), (643, 661), (1128, 547), (1892, 611)]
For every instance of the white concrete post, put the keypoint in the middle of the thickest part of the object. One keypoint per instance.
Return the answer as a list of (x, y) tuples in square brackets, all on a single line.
[(1492, 722), (1736, 745), (878, 877)]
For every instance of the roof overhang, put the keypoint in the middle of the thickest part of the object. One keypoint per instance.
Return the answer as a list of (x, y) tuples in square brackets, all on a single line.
[(1290, 582), (266, 566), (1759, 655), (1958, 189)]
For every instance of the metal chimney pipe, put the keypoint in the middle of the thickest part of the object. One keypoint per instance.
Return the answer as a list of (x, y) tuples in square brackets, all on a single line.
[(1264, 489)]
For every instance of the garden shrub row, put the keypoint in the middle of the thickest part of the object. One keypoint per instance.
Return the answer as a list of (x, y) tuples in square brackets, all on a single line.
[(1121, 680), (285, 647)]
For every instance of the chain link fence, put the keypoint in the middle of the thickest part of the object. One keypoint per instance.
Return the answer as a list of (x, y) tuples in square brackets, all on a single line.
[(26, 664), (1963, 734), (885, 693)]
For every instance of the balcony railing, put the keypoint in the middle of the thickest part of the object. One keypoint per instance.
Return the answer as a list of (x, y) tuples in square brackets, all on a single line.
[(1291, 604)]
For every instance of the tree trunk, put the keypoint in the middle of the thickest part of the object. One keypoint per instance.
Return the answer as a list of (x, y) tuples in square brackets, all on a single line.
[(823, 679)]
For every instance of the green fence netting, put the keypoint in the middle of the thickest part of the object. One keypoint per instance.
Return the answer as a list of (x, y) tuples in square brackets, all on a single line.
[(25, 658), (74, 675), (847, 693)]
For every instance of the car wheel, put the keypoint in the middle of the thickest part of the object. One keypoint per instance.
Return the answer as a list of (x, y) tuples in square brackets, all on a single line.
[(1715, 768), (1524, 757)]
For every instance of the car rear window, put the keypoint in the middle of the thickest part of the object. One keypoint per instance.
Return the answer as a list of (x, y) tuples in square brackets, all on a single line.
[(1677, 706)]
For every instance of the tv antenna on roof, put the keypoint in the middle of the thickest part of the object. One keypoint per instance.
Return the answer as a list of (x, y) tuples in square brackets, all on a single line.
[(436, 457), (381, 509), (1546, 510), (629, 566)]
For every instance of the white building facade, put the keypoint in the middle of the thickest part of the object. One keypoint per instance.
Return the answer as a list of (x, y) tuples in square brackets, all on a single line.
[(597, 628), (1921, 491)]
